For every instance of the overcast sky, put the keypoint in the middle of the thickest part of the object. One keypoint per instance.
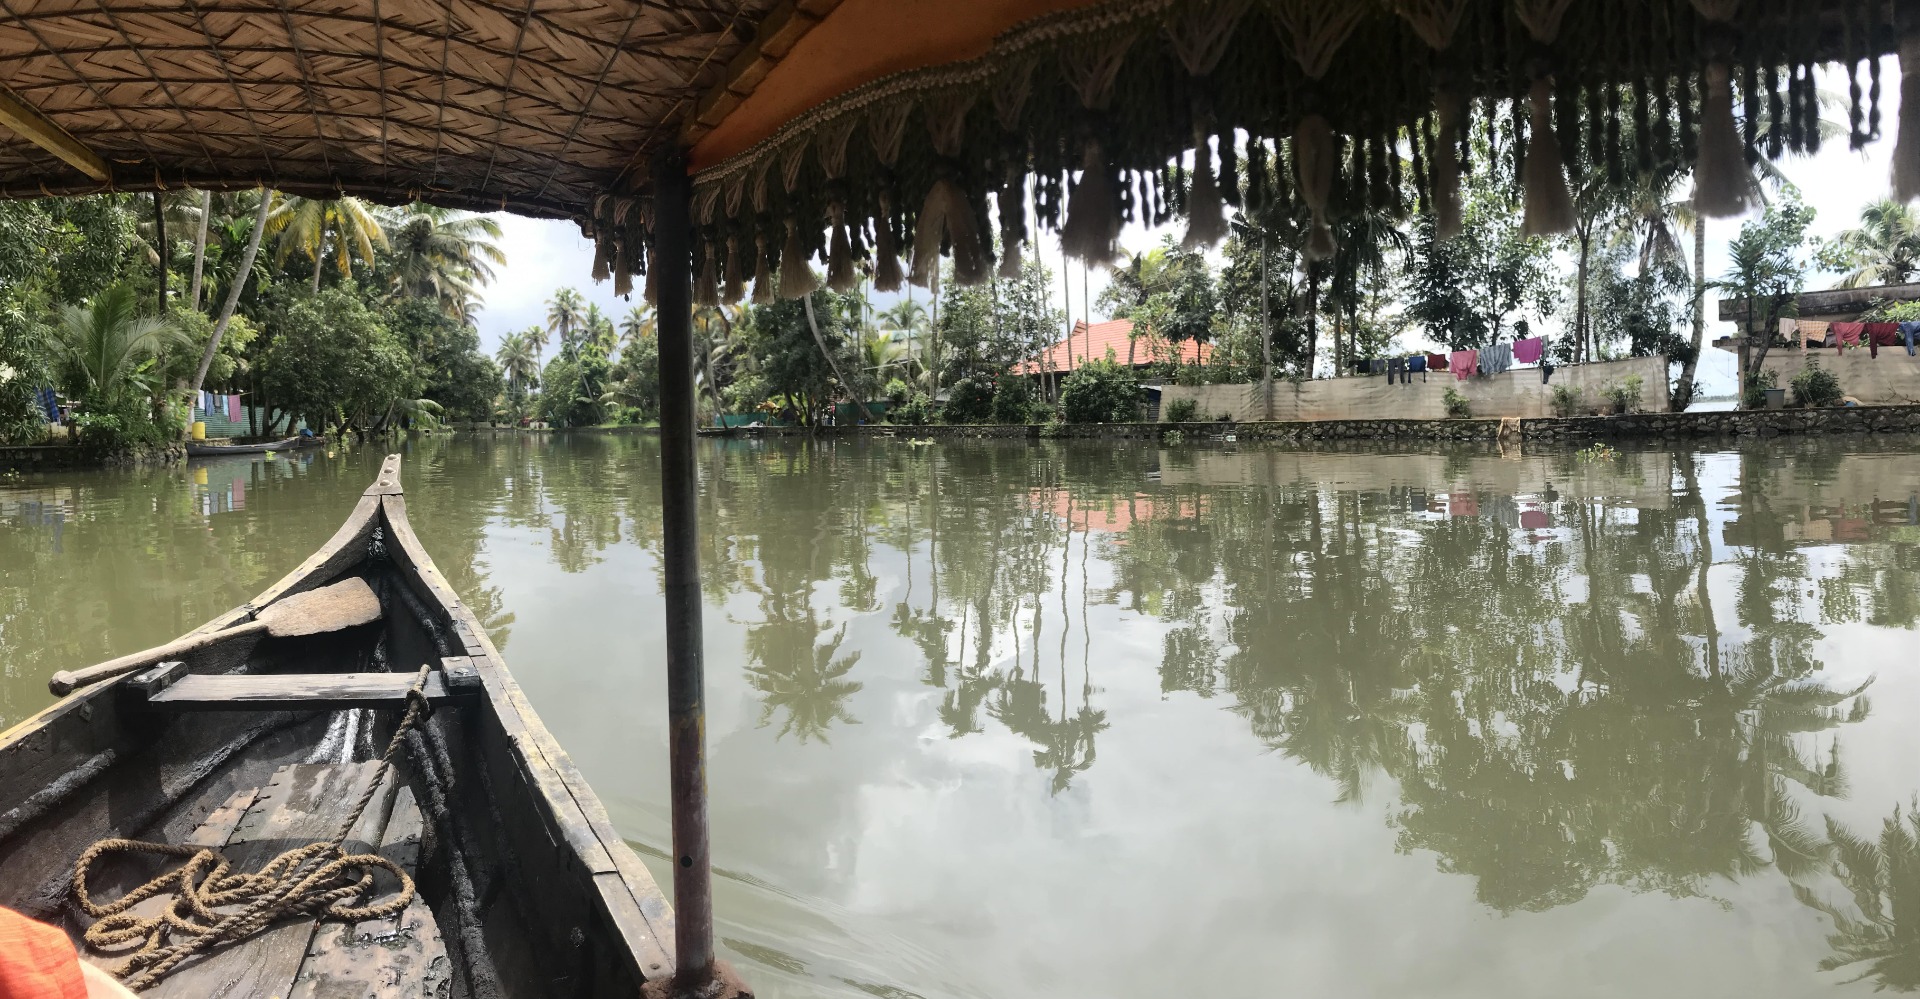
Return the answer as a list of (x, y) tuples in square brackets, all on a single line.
[(545, 255)]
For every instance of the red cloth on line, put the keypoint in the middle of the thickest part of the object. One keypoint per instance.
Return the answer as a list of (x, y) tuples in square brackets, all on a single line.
[(37, 961), (1882, 335), (1465, 363), (1436, 362), (1846, 335), (1530, 350)]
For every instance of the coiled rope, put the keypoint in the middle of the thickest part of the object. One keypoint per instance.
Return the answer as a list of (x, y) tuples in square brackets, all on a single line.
[(320, 879)]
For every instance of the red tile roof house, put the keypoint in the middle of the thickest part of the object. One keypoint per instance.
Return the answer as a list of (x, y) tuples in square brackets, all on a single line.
[(1091, 341)]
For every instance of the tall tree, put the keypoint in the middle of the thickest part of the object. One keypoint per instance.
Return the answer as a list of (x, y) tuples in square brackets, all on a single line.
[(1884, 249), (260, 215), (444, 255), (347, 229), (1766, 270), (565, 315)]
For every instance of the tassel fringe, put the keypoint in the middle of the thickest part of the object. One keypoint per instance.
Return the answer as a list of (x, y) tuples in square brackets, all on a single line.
[(1092, 231), (840, 273), (706, 285), (1452, 110), (886, 250), (762, 273), (797, 279), (1206, 215), (1549, 208), (1013, 230), (947, 214), (1720, 176), (1314, 164), (1906, 150), (736, 286)]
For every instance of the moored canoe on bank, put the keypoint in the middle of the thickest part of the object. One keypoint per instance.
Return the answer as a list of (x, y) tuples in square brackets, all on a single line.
[(263, 742)]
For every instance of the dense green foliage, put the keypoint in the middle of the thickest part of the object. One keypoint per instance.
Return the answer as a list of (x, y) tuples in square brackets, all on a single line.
[(334, 321), (1101, 391), (1816, 386)]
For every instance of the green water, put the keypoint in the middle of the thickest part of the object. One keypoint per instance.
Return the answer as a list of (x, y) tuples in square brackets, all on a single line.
[(1047, 720)]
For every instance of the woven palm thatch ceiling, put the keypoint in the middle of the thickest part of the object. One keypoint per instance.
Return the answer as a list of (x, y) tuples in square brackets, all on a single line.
[(529, 105)]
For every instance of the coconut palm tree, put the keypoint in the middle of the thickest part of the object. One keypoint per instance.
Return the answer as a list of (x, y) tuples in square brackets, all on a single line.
[(345, 228), (237, 284), (519, 358), (1884, 879), (563, 318), (639, 324), (443, 254), (1885, 249), (105, 348)]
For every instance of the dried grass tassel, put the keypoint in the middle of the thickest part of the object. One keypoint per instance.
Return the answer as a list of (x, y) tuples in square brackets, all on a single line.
[(1906, 148), (1092, 231), (622, 267), (762, 273), (797, 279), (1314, 164), (1206, 215), (1451, 115), (706, 284), (602, 259), (1013, 224), (886, 249), (947, 214), (736, 281), (1549, 208), (650, 289), (1720, 179), (840, 273)]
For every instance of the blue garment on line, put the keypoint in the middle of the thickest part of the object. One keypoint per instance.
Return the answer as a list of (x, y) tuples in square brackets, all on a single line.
[(1417, 362), (49, 404), (1910, 330), (1497, 359)]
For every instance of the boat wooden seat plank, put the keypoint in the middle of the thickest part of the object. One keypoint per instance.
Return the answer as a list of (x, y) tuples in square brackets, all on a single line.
[(401, 955), (304, 803), (296, 691)]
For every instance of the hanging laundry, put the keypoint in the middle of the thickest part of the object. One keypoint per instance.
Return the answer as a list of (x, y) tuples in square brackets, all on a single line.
[(1418, 363), (1360, 367), (50, 404), (1377, 366), (1882, 335), (1546, 371), (1436, 362), (1463, 363), (1812, 333), (1530, 350), (233, 407), (1397, 368), (1497, 359), (1847, 335), (1909, 331)]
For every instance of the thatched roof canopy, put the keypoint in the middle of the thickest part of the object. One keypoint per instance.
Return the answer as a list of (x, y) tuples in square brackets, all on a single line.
[(856, 132), (533, 106)]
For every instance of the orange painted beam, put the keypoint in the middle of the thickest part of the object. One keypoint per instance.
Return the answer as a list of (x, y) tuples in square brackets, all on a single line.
[(859, 42)]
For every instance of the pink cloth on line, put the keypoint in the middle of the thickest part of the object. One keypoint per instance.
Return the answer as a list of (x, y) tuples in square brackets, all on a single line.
[(1463, 363), (233, 407), (1846, 335), (1534, 520), (1530, 350)]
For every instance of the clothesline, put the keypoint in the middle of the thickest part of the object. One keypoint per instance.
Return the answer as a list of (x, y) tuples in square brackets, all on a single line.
[(1840, 336), (1463, 364)]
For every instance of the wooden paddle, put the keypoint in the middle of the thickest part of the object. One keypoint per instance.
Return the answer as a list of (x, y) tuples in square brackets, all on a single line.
[(315, 612)]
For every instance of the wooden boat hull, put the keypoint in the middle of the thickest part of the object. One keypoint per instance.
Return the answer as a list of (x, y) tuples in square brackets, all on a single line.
[(565, 906), (215, 450)]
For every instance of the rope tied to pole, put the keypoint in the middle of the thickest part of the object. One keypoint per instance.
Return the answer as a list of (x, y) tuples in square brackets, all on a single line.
[(320, 879)]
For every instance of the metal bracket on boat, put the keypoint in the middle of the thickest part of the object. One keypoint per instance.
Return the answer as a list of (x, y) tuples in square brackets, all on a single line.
[(155, 679), (461, 674)]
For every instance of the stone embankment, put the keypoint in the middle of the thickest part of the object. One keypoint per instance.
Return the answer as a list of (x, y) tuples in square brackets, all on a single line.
[(1635, 426), (51, 457)]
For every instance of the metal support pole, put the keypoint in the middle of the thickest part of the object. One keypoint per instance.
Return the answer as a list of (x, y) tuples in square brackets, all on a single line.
[(686, 681)]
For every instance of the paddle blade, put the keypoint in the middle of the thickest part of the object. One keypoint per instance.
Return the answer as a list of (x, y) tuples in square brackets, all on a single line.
[(343, 605)]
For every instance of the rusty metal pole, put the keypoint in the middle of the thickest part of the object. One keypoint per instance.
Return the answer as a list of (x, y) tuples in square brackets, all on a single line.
[(686, 680)]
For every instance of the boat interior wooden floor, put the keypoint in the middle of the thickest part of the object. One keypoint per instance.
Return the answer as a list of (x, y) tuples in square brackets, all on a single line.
[(524, 887)]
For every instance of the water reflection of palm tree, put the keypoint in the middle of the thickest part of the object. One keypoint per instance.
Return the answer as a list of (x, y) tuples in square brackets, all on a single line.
[(1883, 928), (804, 679)]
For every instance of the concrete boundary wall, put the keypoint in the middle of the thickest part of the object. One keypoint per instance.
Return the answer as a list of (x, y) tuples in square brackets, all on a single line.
[(1518, 393), (1892, 379)]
